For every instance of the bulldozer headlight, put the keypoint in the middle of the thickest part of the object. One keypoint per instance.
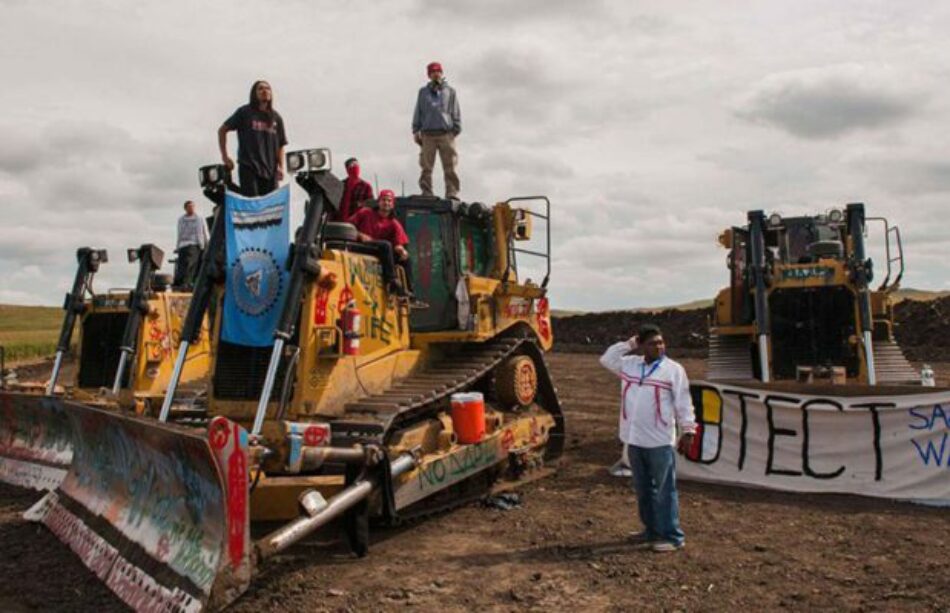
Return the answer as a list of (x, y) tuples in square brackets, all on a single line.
[(294, 161), (308, 159), (318, 160), (212, 175), (835, 216), (775, 220)]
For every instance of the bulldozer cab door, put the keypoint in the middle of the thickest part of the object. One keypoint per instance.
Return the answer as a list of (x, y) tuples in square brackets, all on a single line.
[(433, 260), (739, 281), (446, 240)]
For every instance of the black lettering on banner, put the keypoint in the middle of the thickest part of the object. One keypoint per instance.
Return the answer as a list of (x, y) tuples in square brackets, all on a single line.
[(745, 424), (876, 422), (806, 465), (776, 432)]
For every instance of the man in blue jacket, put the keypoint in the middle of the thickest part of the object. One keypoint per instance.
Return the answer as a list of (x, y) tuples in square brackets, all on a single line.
[(435, 124)]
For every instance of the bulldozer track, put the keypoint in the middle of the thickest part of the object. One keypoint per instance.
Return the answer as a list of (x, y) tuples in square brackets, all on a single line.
[(375, 417)]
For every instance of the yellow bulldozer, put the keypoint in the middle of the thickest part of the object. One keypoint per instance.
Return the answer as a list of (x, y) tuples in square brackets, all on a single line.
[(800, 305), (124, 362), (367, 408)]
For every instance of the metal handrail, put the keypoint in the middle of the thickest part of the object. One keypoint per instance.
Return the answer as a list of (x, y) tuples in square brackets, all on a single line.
[(547, 255), (899, 258)]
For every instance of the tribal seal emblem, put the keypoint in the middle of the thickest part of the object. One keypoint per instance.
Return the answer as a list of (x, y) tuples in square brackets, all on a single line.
[(256, 281)]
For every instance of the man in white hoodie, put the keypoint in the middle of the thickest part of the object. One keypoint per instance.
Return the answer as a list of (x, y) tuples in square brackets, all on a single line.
[(654, 400)]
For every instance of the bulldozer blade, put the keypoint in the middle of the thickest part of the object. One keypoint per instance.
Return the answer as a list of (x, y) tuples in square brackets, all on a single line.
[(157, 512), (35, 441)]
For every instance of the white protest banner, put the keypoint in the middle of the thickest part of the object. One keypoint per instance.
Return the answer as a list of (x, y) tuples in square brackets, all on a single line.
[(893, 446)]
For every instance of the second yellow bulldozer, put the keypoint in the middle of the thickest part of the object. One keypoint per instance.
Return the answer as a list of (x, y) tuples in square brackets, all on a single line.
[(124, 355), (800, 304)]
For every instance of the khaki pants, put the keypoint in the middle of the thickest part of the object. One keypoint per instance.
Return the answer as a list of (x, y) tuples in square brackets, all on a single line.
[(444, 144)]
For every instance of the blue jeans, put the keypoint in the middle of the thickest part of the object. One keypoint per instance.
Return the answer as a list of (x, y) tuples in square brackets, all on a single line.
[(654, 479)]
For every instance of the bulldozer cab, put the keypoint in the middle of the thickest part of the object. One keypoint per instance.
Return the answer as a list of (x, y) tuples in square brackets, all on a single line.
[(461, 253), (447, 239), (804, 240)]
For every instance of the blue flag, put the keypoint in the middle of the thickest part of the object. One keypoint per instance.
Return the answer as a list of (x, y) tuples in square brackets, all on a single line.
[(258, 237)]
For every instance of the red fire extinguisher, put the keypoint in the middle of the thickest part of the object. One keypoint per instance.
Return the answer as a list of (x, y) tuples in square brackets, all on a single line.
[(351, 329)]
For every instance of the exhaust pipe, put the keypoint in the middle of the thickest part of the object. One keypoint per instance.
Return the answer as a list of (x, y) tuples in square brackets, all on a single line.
[(319, 515)]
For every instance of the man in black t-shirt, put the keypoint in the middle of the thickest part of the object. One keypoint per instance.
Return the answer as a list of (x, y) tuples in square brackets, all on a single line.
[(261, 141)]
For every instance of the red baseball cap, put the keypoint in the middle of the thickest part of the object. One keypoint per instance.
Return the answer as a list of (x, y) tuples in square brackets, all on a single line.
[(433, 66), (387, 192)]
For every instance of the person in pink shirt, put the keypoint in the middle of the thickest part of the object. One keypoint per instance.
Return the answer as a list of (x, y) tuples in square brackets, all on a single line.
[(380, 227)]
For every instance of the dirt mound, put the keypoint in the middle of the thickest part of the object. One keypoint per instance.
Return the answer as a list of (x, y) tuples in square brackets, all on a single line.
[(686, 331), (922, 329)]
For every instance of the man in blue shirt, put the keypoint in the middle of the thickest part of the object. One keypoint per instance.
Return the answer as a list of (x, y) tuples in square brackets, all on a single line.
[(436, 122)]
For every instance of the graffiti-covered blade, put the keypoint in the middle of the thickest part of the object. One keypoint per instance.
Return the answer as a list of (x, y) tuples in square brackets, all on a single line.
[(159, 513), (35, 441)]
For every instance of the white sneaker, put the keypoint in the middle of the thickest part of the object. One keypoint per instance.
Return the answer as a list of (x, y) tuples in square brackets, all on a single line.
[(619, 469)]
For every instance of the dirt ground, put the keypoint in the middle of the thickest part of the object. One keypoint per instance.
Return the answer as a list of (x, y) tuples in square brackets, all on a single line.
[(564, 548)]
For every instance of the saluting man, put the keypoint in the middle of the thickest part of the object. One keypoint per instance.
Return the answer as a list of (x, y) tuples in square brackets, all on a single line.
[(653, 401)]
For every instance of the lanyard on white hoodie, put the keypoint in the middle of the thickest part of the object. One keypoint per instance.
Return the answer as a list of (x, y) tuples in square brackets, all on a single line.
[(643, 367), (656, 385)]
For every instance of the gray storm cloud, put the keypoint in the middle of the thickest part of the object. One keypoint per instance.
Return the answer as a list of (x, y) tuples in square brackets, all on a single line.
[(828, 102), (651, 127)]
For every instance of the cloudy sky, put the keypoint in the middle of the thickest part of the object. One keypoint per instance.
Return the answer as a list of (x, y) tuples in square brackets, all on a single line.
[(650, 125)]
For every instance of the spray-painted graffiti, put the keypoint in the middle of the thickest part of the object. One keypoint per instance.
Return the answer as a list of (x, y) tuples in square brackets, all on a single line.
[(159, 488), (35, 441), (379, 324), (518, 308), (885, 446), (458, 465), (130, 583), (367, 272), (158, 334), (32, 428), (544, 319), (320, 306)]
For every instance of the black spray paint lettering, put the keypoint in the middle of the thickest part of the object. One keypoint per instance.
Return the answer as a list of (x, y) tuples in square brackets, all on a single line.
[(806, 437), (743, 427), (876, 421), (775, 432)]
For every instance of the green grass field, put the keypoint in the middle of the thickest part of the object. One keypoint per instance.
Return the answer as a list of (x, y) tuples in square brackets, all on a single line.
[(29, 331)]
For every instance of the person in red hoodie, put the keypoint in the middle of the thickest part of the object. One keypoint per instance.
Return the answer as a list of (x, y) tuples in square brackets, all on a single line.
[(380, 227), (356, 192)]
